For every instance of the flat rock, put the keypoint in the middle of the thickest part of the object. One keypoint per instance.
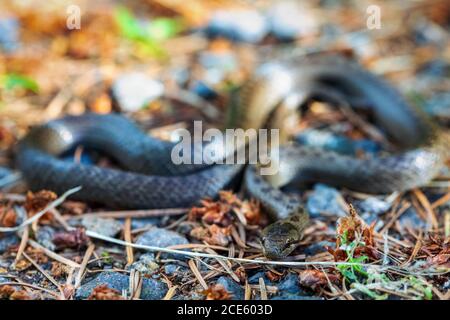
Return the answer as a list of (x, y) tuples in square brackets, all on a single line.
[(325, 201), (234, 289), (159, 237), (135, 90), (289, 20), (8, 240), (239, 25), (146, 264), (151, 289), (45, 236), (106, 227)]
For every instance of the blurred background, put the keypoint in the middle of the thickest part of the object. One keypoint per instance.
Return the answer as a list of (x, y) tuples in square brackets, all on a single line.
[(69, 57)]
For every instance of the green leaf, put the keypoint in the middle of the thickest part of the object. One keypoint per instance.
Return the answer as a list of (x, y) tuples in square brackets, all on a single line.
[(132, 29), (164, 28), (128, 24), (13, 81)]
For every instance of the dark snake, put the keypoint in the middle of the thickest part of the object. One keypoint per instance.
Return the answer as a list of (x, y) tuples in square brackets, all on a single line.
[(271, 97)]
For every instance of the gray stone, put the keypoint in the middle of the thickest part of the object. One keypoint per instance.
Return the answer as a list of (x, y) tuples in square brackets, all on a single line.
[(254, 279), (374, 206), (134, 90), (234, 289), (318, 247), (151, 289), (239, 25), (146, 264), (9, 34), (45, 237), (106, 227), (370, 208), (325, 201), (159, 237), (289, 20), (171, 269), (412, 219), (8, 240)]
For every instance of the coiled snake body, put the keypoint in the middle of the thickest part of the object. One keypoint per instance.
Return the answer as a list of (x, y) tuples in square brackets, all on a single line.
[(153, 181)]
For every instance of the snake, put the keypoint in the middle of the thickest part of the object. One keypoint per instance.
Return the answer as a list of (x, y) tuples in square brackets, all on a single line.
[(147, 177)]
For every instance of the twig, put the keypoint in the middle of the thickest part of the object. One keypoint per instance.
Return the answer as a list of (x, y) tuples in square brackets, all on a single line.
[(48, 276), (262, 289), (127, 238), (22, 246), (84, 263), (197, 274), (93, 234), (53, 255)]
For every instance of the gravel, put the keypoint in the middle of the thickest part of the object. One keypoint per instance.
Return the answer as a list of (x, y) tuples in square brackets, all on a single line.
[(162, 238), (151, 289), (325, 201), (135, 90)]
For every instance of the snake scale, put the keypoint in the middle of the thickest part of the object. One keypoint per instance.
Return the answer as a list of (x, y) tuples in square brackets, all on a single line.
[(274, 93)]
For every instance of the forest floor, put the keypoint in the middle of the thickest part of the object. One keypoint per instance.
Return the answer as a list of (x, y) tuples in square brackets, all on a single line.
[(357, 246)]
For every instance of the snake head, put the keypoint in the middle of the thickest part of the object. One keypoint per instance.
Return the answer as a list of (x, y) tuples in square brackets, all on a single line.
[(280, 239)]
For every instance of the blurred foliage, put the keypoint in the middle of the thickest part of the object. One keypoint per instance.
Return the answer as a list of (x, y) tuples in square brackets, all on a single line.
[(147, 35), (12, 81)]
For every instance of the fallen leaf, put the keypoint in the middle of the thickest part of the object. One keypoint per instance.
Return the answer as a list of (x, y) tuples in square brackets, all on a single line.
[(71, 239), (315, 278), (217, 292), (103, 292)]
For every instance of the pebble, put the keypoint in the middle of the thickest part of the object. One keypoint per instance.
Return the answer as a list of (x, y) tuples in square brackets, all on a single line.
[(238, 25), (369, 209), (151, 289), (135, 90), (171, 269), (289, 289), (234, 289), (103, 226), (318, 247), (8, 240), (146, 264), (254, 279), (9, 34), (144, 222), (288, 20), (325, 200), (203, 90), (427, 32), (411, 218), (162, 238), (337, 143), (45, 237)]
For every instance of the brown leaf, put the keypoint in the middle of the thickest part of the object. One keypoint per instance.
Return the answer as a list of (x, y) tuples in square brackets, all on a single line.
[(71, 239), (10, 292), (217, 292), (59, 270), (349, 226), (103, 292), (8, 218), (38, 201), (212, 234), (315, 278)]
